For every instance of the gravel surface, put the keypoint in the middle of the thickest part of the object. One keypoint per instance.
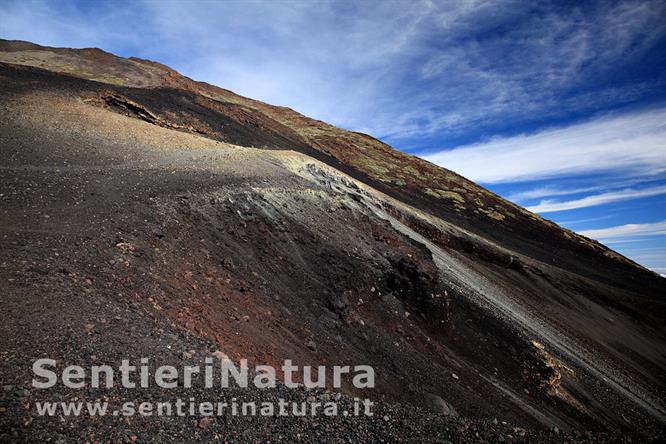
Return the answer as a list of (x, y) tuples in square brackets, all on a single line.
[(123, 239)]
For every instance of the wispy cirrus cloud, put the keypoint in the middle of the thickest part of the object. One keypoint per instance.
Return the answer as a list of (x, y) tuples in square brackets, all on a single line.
[(644, 243), (550, 191), (627, 230), (634, 143), (569, 223), (554, 190), (549, 206)]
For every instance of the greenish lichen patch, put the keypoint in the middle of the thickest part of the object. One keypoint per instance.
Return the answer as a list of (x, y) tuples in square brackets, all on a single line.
[(444, 194)]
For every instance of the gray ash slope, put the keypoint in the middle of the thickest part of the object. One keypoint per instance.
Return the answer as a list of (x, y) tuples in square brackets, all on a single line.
[(132, 229)]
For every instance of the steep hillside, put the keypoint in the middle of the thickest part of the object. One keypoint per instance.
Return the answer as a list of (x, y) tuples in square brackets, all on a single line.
[(146, 214), (226, 116)]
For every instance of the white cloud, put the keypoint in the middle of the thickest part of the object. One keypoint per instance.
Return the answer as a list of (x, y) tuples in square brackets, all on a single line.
[(634, 143), (549, 206), (628, 230), (549, 191), (557, 190), (569, 223)]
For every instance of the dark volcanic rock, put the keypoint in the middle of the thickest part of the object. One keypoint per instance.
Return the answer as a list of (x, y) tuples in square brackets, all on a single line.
[(436, 404), (148, 215)]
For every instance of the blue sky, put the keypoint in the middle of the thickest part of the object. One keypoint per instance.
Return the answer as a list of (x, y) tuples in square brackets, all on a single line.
[(559, 106)]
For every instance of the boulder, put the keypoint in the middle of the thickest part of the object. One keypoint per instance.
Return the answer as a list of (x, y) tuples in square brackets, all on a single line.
[(436, 404)]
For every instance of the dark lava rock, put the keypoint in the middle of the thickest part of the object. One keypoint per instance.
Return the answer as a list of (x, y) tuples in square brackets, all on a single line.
[(436, 404)]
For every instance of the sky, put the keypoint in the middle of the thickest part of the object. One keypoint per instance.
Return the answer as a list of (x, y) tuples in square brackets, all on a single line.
[(557, 106)]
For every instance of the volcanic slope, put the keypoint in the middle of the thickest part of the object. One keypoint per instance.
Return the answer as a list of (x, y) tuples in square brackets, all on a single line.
[(145, 214)]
